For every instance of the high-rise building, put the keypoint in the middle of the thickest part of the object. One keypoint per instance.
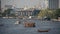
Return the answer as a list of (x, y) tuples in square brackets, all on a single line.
[(53, 4), (42, 4)]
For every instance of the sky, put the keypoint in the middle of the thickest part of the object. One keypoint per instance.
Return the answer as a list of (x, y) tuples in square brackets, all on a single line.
[(23, 3), (20, 3)]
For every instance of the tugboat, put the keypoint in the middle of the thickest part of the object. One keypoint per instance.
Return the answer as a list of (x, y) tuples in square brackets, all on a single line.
[(17, 22)]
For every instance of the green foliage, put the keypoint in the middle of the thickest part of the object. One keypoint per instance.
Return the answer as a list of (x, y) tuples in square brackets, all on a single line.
[(0, 14), (46, 12), (3, 14), (6, 12), (57, 13), (13, 15), (50, 13)]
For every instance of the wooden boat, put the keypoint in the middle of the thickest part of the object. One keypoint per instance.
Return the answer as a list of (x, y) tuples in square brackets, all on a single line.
[(43, 30), (29, 24)]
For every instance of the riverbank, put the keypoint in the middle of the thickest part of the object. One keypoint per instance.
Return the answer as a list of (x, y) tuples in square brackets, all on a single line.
[(8, 17), (30, 18)]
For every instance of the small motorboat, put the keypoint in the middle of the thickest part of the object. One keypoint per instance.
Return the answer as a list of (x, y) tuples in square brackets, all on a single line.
[(43, 30), (17, 22)]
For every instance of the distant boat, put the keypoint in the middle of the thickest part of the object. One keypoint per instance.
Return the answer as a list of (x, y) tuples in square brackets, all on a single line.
[(43, 30), (30, 17), (17, 22)]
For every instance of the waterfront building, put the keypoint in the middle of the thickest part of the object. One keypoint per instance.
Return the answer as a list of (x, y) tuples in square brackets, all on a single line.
[(28, 12)]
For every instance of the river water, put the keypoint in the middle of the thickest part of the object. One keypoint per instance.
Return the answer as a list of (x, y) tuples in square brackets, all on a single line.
[(11, 28)]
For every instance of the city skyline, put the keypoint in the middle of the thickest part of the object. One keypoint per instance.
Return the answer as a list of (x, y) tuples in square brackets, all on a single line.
[(38, 4), (22, 3)]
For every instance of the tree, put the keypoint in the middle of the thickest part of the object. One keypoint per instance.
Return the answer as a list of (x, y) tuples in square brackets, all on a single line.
[(57, 13), (13, 15), (46, 12), (0, 14), (7, 12)]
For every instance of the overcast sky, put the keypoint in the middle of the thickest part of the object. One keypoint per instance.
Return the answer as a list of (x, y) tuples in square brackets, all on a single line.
[(20, 3)]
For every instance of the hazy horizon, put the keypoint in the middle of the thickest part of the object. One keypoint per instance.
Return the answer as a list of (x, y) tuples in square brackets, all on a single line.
[(21, 3)]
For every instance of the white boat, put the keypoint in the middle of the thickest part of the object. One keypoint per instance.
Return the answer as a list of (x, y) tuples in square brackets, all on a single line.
[(30, 17), (17, 22)]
